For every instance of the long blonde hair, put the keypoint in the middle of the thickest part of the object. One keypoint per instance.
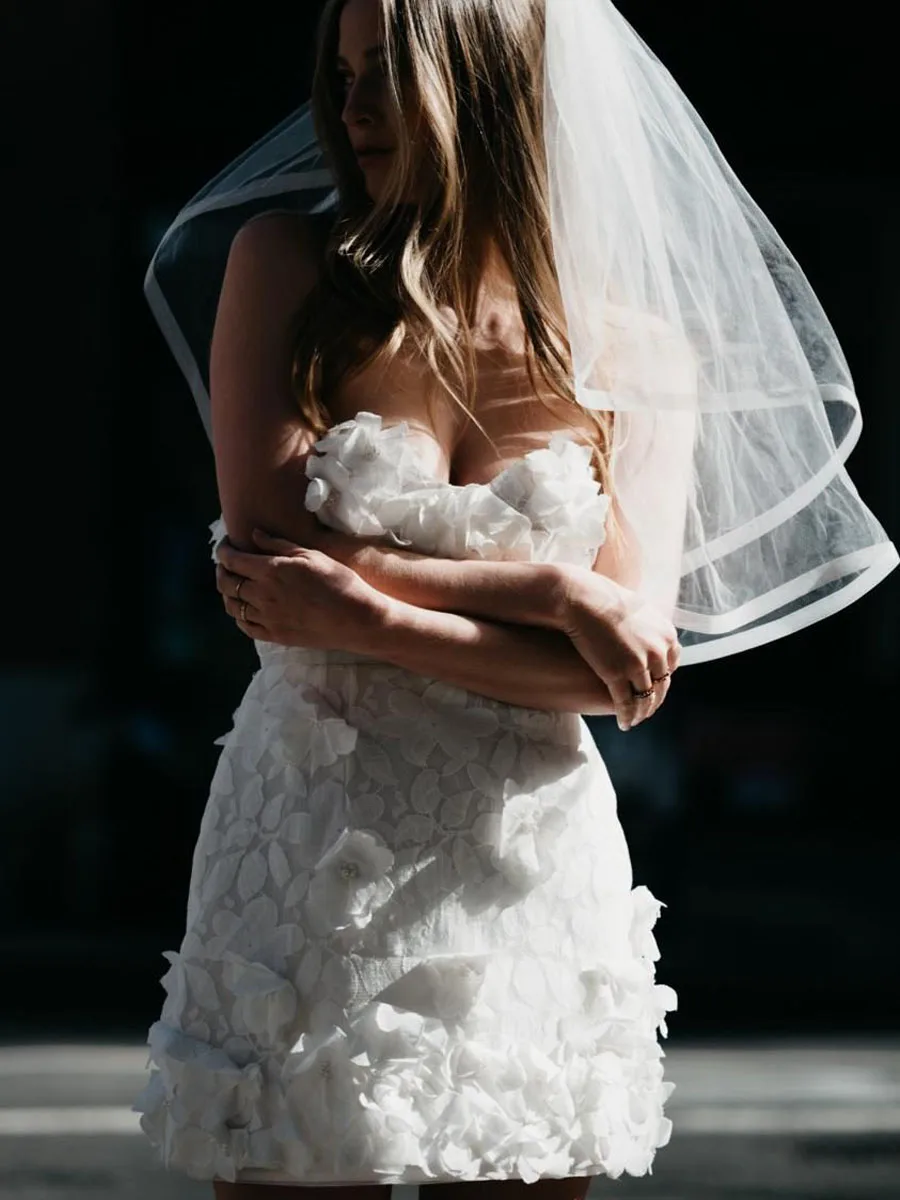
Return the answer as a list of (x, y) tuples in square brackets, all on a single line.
[(391, 269)]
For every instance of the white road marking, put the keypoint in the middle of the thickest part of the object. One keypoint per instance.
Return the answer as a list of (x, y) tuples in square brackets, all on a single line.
[(71, 1059), (795, 1120), (22, 1122)]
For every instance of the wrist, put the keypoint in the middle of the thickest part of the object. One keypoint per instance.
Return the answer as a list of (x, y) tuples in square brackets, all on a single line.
[(541, 595), (579, 589), (565, 585)]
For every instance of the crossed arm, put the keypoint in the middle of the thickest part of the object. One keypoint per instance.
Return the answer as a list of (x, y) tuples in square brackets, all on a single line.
[(498, 628), (537, 635), (516, 632)]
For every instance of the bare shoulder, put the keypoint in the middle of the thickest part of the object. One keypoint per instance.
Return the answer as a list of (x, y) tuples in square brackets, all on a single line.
[(279, 251)]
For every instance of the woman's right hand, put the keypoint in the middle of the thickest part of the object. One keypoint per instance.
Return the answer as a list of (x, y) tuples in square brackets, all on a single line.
[(630, 645)]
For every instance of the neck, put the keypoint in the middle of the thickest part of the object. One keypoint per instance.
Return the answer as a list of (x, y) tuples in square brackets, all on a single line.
[(496, 279)]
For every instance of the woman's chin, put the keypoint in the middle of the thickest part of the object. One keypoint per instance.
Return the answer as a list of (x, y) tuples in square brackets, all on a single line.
[(377, 176)]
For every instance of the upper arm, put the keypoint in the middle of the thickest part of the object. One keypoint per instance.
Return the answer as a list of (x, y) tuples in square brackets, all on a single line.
[(618, 558), (260, 439)]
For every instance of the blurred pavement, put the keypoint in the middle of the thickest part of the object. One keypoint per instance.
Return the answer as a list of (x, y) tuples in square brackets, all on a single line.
[(762, 1119)]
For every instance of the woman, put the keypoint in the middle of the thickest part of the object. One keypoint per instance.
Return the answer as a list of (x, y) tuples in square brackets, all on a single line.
[(413, 950)]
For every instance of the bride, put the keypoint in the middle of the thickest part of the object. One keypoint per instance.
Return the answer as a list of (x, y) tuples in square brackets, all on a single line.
[(413, 952), (488, 255)]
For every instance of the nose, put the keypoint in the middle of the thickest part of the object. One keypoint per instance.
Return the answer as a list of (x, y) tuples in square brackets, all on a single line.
[(359, 105)]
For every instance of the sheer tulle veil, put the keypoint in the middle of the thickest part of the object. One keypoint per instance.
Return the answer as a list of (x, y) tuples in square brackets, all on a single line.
[(688, 318)]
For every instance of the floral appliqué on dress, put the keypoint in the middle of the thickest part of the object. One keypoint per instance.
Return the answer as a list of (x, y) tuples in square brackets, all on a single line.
[(413, 950)]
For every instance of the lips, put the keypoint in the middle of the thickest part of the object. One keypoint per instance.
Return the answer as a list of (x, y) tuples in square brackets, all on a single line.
[(366, 152)]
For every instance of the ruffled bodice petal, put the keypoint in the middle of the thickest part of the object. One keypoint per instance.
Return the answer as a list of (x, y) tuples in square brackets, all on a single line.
[(545, 507), (366, 478)]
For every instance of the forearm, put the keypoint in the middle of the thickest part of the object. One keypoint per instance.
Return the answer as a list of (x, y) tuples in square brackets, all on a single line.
[(531, 668), (521, 593)]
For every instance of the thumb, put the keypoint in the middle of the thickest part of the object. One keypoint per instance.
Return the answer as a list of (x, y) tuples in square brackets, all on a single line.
[(265, 539)]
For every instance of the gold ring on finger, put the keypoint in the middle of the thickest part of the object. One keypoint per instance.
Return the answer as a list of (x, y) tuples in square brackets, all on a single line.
[(237, 590), (244, 610), (642, 695), (660, 678)]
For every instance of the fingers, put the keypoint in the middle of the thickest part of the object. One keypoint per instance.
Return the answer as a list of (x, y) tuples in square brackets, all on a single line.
[(238, 562), (275, 545), (256, 633), (660, 675), (623, 698), (238, 587), (632, 707), (661, 684), (244, 616), (238, 601), (644, 691), (241, 610), (643, 697), (661, 668)]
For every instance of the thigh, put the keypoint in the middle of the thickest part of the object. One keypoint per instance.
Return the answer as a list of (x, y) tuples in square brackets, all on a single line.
[(573, 1188)]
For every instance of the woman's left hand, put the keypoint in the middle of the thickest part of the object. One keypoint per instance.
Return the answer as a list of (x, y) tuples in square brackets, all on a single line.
[(297, 597)]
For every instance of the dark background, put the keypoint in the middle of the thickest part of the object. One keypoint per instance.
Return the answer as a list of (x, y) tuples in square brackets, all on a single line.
[(760, 804)]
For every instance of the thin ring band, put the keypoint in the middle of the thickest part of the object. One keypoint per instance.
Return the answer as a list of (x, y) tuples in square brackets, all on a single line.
[(642, 695), (660, 678), (244, 611), (237, 590)]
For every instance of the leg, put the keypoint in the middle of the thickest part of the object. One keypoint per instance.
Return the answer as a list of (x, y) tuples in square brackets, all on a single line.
[(573, 1188), (271, 1191)]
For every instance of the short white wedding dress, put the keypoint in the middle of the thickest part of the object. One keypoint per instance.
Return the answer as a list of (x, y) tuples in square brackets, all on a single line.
[(413, 951)]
